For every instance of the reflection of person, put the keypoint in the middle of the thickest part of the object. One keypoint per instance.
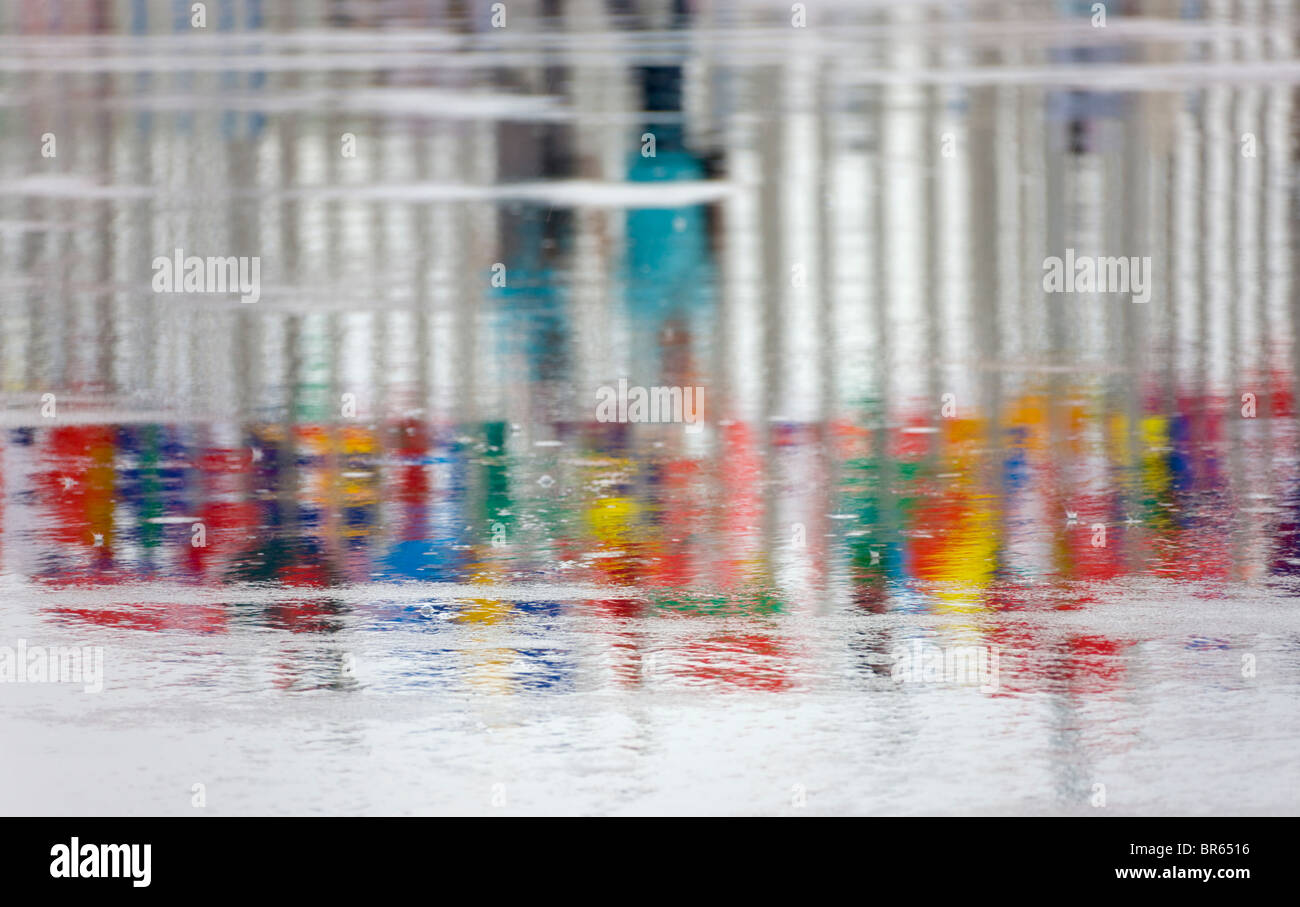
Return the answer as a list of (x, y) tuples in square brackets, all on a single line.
[(533, 238), (1080, 112), (668, 274), (667, 248)]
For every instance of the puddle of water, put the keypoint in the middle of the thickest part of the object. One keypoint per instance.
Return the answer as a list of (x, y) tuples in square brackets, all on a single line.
[(921, 530)]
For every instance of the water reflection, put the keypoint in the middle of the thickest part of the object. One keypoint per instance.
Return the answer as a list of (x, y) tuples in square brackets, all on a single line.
[(918, 516), (837, 232)]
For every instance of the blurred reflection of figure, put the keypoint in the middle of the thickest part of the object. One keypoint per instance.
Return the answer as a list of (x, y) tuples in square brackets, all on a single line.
[(668, 269)]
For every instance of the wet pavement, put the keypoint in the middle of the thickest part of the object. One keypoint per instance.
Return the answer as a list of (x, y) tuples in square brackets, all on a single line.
[(932, 537)]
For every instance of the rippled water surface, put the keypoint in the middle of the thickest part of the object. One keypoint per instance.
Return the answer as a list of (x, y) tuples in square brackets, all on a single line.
[(366, 545)]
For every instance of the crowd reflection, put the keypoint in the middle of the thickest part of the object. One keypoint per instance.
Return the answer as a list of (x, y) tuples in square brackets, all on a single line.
[(957, 517)]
